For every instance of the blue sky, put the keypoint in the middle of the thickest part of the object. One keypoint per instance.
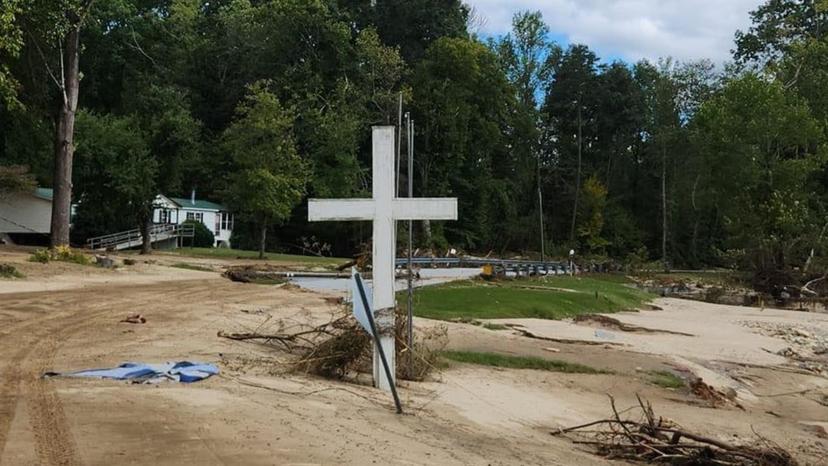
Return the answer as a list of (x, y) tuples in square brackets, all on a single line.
[(630, 29)]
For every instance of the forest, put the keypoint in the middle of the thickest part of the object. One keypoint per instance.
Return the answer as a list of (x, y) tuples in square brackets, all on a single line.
[(260, 104)]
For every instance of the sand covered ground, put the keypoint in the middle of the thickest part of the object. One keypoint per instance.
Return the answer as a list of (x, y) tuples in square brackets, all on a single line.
[(65, 317)]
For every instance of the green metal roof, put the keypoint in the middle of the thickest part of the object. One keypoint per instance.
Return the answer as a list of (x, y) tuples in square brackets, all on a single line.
[(44, 193), (198, 204)]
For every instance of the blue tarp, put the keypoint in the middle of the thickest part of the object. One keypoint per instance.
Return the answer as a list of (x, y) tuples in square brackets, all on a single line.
[(181, 371)]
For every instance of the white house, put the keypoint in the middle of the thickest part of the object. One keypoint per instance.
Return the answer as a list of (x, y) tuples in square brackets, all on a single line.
[(26, 213), (176, 210)]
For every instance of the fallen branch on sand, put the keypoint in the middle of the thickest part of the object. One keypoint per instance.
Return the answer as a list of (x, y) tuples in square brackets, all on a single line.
[(657, 440)]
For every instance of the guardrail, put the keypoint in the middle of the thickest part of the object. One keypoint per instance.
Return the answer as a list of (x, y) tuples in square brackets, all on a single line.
[(131, 238), (511, 265)]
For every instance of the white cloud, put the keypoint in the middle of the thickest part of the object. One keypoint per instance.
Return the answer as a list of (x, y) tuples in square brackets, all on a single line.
[(633, 29)]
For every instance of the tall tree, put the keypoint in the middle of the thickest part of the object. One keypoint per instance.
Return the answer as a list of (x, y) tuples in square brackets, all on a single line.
[(569, 112), (777, 26), (270, 178), (116, 177), (54, 29), (524, 55)]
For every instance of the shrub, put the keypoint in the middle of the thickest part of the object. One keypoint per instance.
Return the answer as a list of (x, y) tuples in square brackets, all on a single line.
[(60, 253), (203, 238), (9, 271)]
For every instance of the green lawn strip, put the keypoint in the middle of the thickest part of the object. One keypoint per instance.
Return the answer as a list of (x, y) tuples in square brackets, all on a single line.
[(544, 298), (665, 379), (519, 362), (226, 253), (184, 265)]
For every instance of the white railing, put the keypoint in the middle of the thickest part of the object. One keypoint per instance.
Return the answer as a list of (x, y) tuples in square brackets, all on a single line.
[(131, 238)]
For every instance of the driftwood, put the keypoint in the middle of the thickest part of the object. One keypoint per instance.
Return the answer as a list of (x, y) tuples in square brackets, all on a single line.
[(657, 440)]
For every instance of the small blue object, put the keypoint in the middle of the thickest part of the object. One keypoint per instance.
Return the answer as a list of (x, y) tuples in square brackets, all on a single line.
[(181, 371)]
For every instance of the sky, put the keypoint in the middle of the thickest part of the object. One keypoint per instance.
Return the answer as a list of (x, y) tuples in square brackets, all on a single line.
[(631, 29)]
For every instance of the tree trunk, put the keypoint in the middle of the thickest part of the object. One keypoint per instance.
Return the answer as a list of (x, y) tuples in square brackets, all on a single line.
[(64, 141), (146, 240), (262, 240), (664, 204), (577, 178)]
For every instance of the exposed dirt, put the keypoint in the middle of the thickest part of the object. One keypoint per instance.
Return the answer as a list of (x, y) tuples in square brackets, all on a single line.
[(255, 414)]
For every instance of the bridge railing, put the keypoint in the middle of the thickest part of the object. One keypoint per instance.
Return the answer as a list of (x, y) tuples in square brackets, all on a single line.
[(157, 233)]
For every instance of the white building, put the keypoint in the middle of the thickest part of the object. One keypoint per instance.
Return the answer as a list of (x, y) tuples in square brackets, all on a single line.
[(26, 213), (176, 210)]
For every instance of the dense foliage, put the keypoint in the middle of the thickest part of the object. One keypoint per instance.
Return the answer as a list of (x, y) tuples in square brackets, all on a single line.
[(259, 104)]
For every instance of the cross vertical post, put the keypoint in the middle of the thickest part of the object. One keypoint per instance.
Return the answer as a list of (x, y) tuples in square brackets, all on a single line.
[(384, 209)]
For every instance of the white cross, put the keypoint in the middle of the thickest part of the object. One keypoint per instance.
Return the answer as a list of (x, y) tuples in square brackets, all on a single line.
[(383, 209)]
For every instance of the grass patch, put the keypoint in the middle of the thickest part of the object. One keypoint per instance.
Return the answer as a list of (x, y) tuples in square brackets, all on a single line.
[(184, 265), (519, 362), (494, 326), (666, 379), (227, 253), (544, 298), (9, 271)]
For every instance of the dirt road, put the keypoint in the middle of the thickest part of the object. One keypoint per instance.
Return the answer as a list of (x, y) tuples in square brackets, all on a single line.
[(256, 413)]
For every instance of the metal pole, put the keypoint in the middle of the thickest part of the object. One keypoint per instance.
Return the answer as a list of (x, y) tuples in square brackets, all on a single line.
[(410, 339), (369, 313), (540, 214), (399, 143)]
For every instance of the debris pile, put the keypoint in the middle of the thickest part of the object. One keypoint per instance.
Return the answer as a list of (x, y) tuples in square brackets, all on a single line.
[(652, 439), (340, 346), (258, 274), (809, 347)]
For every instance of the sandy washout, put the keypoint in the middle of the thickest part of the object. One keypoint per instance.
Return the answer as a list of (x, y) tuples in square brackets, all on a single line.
[(256, 413)]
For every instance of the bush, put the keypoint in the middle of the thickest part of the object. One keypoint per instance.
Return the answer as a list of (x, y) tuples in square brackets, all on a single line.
[(60, 253), (9, 271), (203, 238)]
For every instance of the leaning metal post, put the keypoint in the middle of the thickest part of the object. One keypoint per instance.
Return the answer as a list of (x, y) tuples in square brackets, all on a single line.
[(369, 313)]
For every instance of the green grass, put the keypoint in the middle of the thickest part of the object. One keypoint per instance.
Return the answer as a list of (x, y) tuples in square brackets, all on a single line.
[(226, 253), (184, 265), (544, 298), (9, 271), (494, 326), (666, 379), (519, 362)]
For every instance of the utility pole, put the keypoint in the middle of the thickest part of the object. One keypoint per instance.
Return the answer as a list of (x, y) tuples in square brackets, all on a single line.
[(540, 211), (410, 335)]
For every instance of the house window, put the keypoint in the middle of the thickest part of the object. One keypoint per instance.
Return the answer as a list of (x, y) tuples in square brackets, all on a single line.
[(198, 216), (226, 221), (163, 216)]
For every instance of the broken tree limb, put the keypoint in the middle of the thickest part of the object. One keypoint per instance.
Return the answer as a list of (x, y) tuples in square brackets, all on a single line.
[(654, 439)]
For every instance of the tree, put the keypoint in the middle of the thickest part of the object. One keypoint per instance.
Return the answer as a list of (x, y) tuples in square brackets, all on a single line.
[(15, 179), (54, 28), (569, 111), (661, 127), (116, 177), (778, 25), (760, 140), (11, 42), (270, 176), (524, 56)]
